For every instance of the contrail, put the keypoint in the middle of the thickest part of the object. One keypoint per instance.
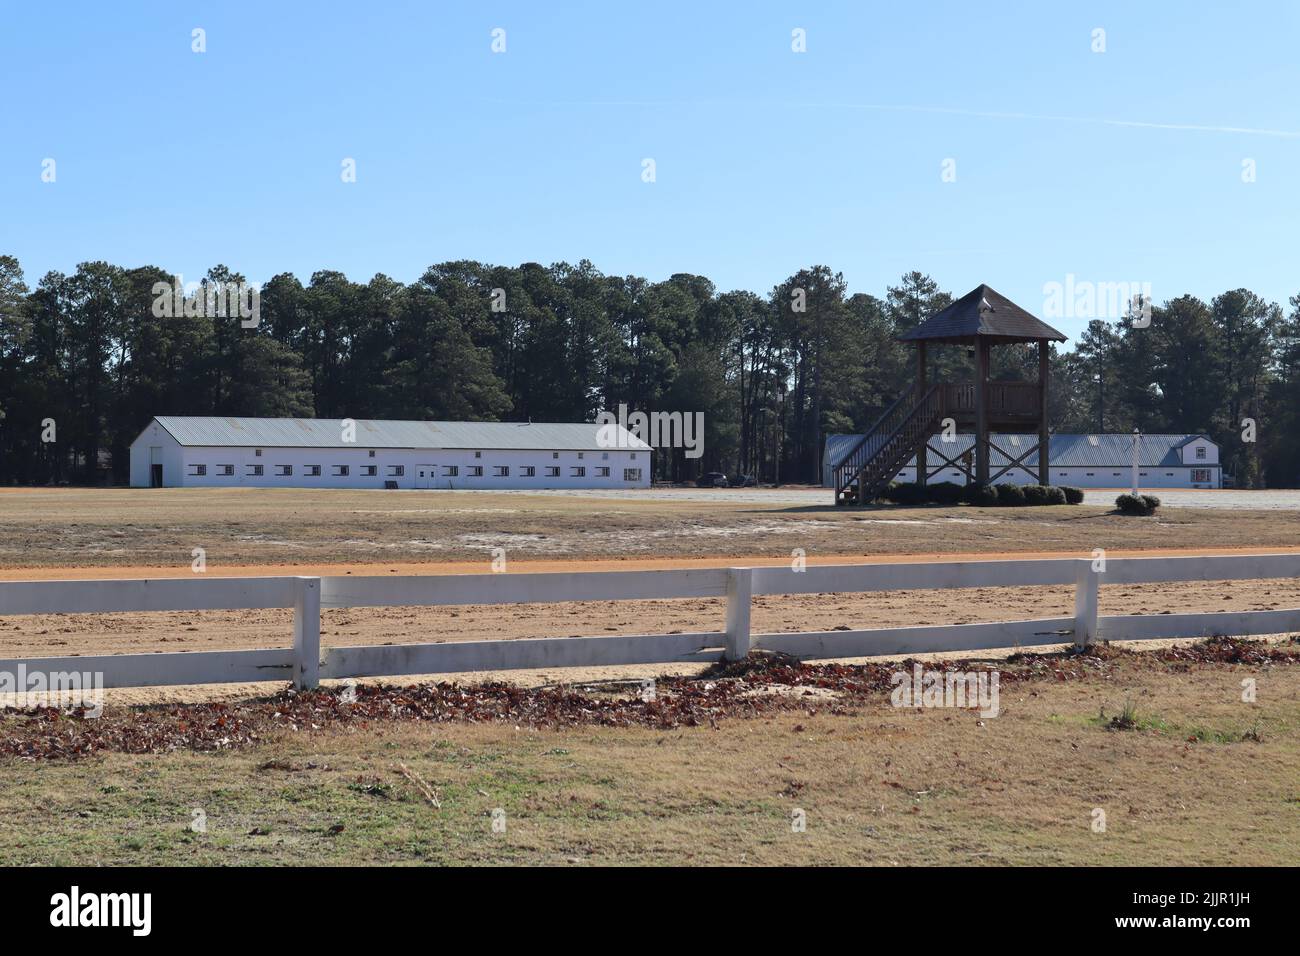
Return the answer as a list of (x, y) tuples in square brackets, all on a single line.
[(904, 108)]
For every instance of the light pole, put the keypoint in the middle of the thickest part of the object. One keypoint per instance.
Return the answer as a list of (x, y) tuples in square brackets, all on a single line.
[(1137, 442)]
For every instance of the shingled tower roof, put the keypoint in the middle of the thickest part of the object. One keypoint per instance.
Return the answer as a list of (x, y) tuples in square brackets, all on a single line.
[(982, 312)]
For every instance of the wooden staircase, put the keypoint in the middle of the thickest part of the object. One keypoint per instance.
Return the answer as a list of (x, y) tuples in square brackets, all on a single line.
[(862, 474)]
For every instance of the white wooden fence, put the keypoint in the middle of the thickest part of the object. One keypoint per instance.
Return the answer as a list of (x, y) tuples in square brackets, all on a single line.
[(304, 665)]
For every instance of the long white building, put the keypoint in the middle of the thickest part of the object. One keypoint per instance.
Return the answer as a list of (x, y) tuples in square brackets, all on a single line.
[(1081, 461), (214, 452)]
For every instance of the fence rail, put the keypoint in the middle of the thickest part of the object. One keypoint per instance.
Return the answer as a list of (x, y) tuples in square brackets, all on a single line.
[(304, 664)]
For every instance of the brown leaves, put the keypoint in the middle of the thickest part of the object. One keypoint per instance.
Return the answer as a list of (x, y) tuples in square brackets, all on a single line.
[(725, 691)]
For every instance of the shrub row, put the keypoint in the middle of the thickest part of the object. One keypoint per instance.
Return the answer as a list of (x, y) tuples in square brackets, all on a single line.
[(1137, 504), (984, 496)]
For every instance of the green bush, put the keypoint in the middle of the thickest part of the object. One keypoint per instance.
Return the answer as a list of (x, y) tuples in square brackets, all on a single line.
[(980, 496), (1073, 496), (1136, 504), (1035, 494), (945, 492), (907, 493), (1055, 495), (1009, 495)]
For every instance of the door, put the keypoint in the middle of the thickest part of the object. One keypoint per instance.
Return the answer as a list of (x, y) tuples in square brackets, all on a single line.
[(155, 476), (424, 475)]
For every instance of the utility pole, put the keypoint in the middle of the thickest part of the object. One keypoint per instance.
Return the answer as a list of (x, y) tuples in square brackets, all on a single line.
[(1137, 441)]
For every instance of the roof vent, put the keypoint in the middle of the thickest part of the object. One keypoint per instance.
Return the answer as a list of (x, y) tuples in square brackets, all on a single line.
[(984, 305)]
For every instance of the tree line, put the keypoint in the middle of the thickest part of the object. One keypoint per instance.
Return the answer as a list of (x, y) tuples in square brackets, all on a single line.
[(86, 360)]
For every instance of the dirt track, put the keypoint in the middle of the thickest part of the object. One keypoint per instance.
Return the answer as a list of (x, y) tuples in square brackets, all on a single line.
[(82, 533)]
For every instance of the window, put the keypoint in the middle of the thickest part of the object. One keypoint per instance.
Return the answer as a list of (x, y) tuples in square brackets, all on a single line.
[(254, 471), (369, 471), (602, 472), (577, 471), (528, 471), (604, 456), (1115, 474), (197, 471), (579, 456), (1169, 474), (311, 471), (1090, 475), (552, 471), (1062, 474), (501, 471), (340, 471), (450, 471), (631, 474), (371, 453), (257, 453), (555, 454), (396, 471), (226, 470), (633, 456), (1200, 453), (478, 454), (1200, 476), (284, 471), (475, 471)]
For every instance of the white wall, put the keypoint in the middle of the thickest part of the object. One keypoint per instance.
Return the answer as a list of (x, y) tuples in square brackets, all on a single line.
[(384, 461), (1088, 477), (155, 436), (1211, 453)]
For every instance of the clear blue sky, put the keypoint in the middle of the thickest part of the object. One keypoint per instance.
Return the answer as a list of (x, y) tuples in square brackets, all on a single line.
[(767, 160)]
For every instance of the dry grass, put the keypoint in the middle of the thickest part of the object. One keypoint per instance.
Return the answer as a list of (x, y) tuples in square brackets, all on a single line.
[(1189, 785), (130, 527)]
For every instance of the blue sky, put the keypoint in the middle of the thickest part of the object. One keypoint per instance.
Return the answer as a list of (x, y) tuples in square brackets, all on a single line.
[(766, 160)]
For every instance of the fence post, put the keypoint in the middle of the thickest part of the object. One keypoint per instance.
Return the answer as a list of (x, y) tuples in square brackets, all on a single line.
[(740, 590), (1086, 589), (306, 634)]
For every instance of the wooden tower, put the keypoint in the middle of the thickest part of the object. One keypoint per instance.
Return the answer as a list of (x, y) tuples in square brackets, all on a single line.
[(981, 320)]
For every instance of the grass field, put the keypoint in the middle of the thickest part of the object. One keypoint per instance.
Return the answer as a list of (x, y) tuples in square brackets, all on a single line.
[(1199, 777)]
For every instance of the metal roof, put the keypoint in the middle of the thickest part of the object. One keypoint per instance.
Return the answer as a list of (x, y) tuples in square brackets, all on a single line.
[(370, 433), (982, 312), (1081, 451)]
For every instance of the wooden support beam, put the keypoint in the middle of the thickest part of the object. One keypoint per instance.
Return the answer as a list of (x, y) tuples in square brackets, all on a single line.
[(981, 411), (1044, 438), (920, 393)]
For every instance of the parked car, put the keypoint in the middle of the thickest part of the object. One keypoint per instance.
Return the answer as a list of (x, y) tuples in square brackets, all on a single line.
[(744, 481), (712, 479)]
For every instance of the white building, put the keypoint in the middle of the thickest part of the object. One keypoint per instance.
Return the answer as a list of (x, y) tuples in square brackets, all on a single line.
[(327, 453), (1081, 461)]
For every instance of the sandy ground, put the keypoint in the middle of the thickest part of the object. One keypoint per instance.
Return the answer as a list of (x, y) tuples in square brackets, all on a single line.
[(85, 533), (1238, 499), (104, 528)]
